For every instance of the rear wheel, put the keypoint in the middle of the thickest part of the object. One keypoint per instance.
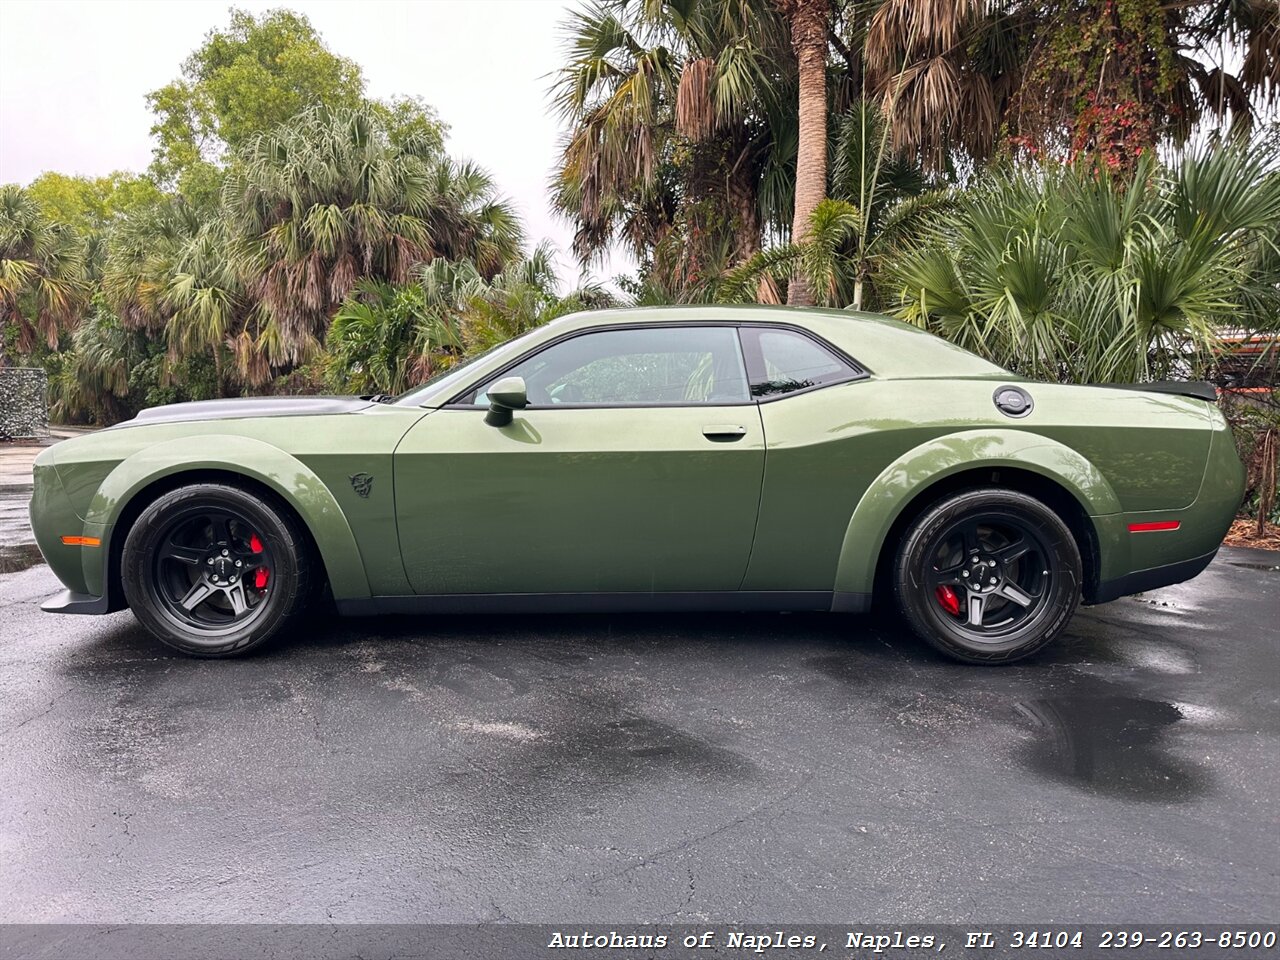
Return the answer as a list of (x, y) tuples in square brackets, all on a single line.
[(214, 570), (988, 576)]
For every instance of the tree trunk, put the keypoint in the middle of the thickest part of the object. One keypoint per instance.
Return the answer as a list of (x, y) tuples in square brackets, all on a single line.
[(808, 22), (741, 189)]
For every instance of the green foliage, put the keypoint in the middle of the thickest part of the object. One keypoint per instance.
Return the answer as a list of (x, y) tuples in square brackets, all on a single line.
[(387, 337), (877, 202), (42, 274), (243, 80), (292, 230), (92, 203), (323, 201), (250, 77), (411, 124), (1254, 418), (105, 372), (681, 141), (277, 187), (369, 339), (1065, 274), (819, 259), (304, 213)]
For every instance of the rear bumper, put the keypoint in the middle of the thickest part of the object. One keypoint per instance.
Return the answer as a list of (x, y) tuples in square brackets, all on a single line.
[(1143, 580)]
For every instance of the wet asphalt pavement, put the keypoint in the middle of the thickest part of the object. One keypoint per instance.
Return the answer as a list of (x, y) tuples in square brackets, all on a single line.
[(647, 768)]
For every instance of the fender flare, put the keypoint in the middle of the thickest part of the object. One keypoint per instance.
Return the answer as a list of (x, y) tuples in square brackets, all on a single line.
[(283, 473), (922, 466)]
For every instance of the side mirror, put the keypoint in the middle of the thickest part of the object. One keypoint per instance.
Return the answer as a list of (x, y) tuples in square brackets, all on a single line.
[(505, 397)]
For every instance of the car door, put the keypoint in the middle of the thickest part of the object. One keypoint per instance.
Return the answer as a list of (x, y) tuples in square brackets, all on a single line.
[(636, 467), (823, 453)]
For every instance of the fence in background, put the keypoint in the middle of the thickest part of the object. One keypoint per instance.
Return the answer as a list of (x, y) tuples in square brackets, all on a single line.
[(24, 403)]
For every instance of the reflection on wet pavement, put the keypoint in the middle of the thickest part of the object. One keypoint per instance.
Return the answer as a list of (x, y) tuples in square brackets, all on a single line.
[(1117, 745), (18, 550), (19, 557)]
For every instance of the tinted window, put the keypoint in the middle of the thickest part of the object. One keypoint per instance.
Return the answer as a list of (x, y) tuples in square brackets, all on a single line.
[(641, 366), (783, 361)]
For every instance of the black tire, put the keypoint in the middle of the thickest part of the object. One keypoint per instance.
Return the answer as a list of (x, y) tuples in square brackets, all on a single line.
[(184, 584), (1029, 582)]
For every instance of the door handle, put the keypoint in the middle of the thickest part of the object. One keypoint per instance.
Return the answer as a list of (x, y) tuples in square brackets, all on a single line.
[(724, 431)]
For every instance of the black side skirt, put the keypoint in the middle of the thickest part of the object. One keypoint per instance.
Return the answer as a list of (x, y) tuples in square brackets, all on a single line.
[(1144, 580), (693, 600)]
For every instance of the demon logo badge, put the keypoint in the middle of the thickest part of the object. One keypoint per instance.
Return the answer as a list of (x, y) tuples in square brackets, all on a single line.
[(362, 483)]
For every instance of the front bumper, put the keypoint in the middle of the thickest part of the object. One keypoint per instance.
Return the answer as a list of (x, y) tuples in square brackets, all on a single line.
[(82, 569)]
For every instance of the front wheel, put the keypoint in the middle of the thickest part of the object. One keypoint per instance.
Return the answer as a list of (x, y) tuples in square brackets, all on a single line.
[(988, 576), (214, 570)]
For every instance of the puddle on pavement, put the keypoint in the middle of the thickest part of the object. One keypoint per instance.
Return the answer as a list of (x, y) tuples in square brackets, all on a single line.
[(19, 557), (1119, 746)]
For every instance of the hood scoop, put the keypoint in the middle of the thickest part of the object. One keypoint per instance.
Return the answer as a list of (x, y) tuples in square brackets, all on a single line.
[(238, 408)]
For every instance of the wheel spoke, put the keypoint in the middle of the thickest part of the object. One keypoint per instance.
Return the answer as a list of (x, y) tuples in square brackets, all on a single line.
[(188, 555), (972, 545), (221, 530), (977, 606), (1014, 593), (197, 595), (1013, 551), (947, 576), (239, 603)]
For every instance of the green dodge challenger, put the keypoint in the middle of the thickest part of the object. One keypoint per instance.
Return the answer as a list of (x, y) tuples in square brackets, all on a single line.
[(683, 458)]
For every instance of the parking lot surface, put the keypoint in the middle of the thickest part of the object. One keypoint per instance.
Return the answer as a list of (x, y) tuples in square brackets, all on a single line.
[(647, 768)]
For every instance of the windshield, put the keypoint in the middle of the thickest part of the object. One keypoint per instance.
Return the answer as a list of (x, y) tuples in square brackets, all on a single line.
[(458, 373)]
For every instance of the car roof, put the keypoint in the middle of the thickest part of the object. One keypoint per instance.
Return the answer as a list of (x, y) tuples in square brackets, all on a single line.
[(732, 312), (885, 347)]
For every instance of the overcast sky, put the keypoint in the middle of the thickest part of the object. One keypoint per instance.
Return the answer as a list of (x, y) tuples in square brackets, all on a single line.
[(74, 78)]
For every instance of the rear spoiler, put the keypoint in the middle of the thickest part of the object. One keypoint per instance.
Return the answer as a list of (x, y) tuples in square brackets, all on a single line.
[(1200, 389)]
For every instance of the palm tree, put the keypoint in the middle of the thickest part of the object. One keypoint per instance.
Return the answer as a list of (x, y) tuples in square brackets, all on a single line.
[(327, 199), (818, 261), (878, 202), (963, 80), (1065, 274), (808, 22), (91, 381), (307, 211), (41, 272), (678, 141), (210, 309), (142, 249), (526, 294)]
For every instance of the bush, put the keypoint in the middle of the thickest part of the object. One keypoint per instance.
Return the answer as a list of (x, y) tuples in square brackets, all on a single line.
[(1254, 418)]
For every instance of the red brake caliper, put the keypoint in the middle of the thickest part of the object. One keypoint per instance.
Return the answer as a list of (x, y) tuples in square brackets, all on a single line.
[(261, 575), (949, 600)]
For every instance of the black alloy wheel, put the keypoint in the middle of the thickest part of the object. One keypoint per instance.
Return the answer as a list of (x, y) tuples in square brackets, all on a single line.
[(214, 569), (988, 575)]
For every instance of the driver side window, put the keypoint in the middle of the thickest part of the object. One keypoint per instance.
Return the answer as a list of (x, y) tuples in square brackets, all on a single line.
[(643, 366)]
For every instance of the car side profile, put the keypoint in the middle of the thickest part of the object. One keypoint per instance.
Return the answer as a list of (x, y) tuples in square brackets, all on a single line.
[(682, 458)]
